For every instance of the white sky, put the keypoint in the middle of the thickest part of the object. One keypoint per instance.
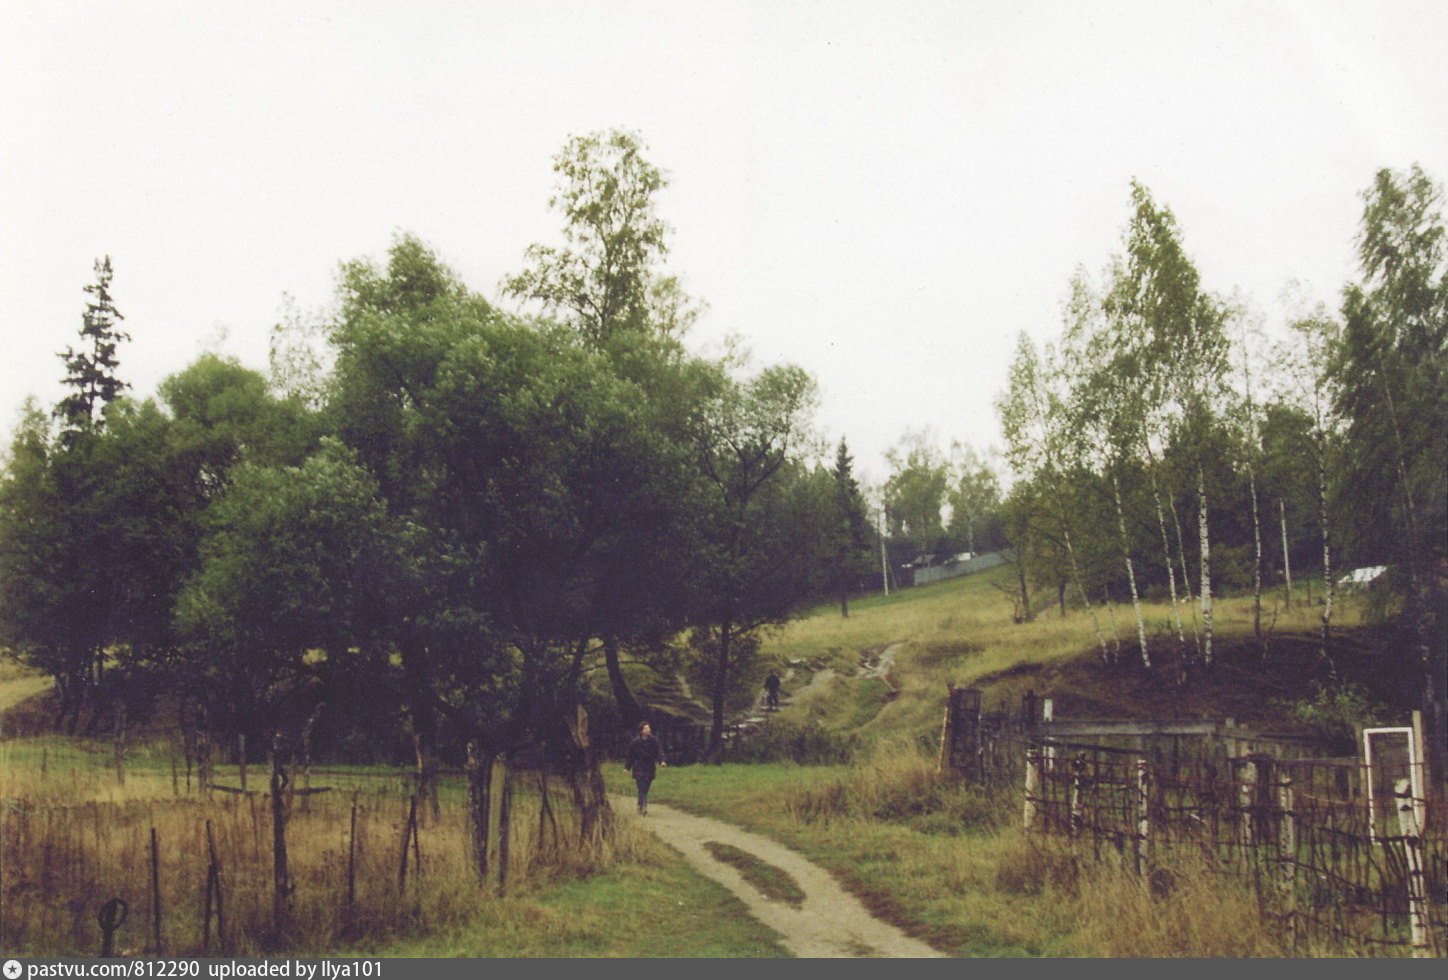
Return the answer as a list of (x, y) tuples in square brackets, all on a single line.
[(883, 193)]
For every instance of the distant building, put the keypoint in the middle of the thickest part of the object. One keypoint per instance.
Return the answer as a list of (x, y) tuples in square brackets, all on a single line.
[(1361, 578), (924, 569)]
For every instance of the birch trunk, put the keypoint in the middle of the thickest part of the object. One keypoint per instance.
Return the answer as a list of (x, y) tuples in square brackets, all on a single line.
[(1171, 581), (1205, 541), (1286, 553), (1256, 565), (1322, 519), (1130, 572), (1081, 588)]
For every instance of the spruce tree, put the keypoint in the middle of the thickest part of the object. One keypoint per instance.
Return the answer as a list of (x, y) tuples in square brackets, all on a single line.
[(90, 371)]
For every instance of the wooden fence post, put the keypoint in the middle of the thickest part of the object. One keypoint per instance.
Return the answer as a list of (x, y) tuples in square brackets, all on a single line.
[(1409, 830), (155, 892), (213, 897), (352, 864), (505, 820), (1030, 809), (1246, 775), (960, 739), (1143, 816), (1078, 785), (1287, 853), (1048, 714), (409, 832), (281, 880), (946, 763)]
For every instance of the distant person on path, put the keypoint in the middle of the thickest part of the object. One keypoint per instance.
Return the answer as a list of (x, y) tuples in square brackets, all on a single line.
[(771, 691), (644, 753)]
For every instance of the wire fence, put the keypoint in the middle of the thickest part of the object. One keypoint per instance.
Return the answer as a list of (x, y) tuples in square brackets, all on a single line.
[(1347, 852)]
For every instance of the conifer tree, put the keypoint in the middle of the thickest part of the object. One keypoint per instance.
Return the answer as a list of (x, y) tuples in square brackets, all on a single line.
[(90, 371)]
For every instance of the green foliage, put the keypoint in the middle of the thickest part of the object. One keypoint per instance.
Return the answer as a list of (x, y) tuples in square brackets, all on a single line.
[(90, 371), (604, 277), (804, 743), (1336, 711)]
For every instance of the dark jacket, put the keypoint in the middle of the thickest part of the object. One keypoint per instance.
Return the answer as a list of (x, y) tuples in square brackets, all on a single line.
[(644, 753)]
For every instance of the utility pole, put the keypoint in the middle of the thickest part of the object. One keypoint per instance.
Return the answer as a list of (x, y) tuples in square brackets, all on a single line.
[(884, 565)]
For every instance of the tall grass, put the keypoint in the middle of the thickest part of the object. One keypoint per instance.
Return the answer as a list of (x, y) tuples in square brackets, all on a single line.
[(75, 837)]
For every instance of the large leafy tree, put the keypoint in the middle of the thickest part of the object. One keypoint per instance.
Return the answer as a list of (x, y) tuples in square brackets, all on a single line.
[(752, 567), (292, 572), (606, 282), (605, 278), (915, 491), (1177, 333)]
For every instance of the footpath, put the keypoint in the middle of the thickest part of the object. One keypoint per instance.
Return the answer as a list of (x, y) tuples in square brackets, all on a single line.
[(830, 922)]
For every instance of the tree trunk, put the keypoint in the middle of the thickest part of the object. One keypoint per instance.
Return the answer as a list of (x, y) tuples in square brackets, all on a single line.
[(1286, 552), (1186, 575), (1171, 580), (1081, 588), (1323, 520), (1203, 531), (1026, 614), (1130, 572), (1256, 565), (721, 680), (480, 796), (628, 706), (281, 879)]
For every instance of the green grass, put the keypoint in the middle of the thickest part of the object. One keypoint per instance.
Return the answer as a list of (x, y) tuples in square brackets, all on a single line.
[(932, 872), (944, 863), (773, 883), (654, 906)]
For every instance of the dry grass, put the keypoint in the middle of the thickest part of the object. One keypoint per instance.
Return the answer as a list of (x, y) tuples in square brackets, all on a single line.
[(74, 836)]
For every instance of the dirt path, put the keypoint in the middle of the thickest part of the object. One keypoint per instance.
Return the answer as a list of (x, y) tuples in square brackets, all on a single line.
[(830, 922)]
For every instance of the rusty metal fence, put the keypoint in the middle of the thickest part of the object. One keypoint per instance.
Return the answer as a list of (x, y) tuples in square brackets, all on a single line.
[(1347, 853)]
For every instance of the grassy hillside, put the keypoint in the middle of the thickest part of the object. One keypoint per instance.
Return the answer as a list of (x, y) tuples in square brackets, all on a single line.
[(943, 860), (948, 862), (961, 633)]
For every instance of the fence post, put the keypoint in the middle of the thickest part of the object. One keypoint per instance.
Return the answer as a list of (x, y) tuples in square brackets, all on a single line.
[(960, 742), (1078, 782), (1048, 712), (1143, 815), (505, 820), (155, 892), (1287, 848), (351, 864), (1245, 776), (1033, 785), (409, 831), (281, 880), (1413, 853)]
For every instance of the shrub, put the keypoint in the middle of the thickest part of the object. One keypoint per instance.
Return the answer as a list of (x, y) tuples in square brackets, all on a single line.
[(803, 743)]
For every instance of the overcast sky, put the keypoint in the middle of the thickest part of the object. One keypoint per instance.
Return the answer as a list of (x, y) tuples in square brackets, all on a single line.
[(883, 193)]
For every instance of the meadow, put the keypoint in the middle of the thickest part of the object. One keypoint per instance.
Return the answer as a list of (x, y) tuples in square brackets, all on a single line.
[(946, 862)]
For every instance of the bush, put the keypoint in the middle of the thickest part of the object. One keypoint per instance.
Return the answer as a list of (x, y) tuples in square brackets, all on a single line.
[(803, 743), (899, 788), (1335, 711)]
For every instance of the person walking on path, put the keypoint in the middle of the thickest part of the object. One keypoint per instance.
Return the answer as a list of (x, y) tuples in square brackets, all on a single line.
[(643, 754), (771, 691)]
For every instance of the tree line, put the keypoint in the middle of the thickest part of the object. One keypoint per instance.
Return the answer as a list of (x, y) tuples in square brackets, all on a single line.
[(1163, 447), (438, 519)]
